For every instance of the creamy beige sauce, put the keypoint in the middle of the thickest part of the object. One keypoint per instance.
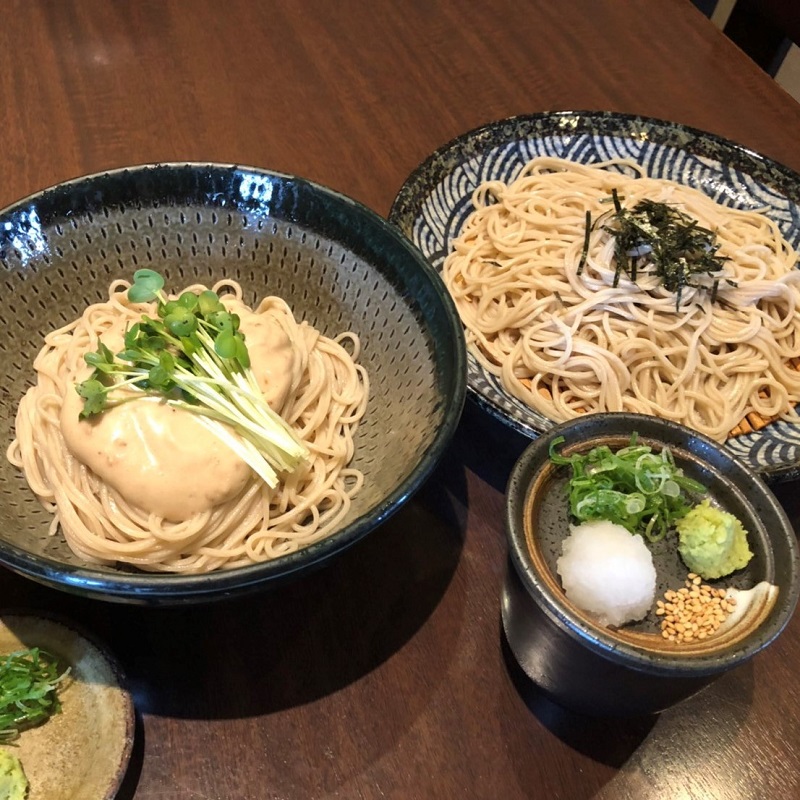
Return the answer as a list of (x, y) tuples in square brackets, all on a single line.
[(162, 459), (272, 355)]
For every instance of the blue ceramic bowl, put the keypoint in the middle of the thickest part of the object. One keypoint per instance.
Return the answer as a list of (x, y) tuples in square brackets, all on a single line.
[(338, 265)]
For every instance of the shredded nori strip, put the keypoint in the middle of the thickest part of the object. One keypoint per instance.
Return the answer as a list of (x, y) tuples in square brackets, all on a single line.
[(586, 235), (659, 239)]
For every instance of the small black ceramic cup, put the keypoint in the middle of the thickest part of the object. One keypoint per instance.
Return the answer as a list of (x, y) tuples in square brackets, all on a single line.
[(633, 670)]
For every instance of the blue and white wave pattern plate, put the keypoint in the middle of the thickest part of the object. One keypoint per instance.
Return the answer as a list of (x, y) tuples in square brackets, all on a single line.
[(435, 201)]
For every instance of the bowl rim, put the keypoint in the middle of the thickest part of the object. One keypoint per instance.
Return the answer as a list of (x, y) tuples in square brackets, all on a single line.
[(173, 588), (594, 636), (433, 167)]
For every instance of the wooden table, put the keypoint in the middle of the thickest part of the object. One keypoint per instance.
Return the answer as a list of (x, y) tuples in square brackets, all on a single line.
[(385, 674)]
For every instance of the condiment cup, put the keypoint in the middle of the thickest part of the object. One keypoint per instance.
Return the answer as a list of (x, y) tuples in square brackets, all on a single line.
[(633, 670)]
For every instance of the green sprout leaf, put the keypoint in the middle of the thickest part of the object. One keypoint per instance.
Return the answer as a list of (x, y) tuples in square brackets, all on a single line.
[(188, 300), (160, 374), (208, 302), (242, 355), (132, 334), (220, 321), (181, 321), (190, 346), (147, 284), (225, 345), (94, 397), (102, 359)]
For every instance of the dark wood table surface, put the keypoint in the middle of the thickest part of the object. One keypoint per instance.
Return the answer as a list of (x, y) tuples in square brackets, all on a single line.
[(385, 674)]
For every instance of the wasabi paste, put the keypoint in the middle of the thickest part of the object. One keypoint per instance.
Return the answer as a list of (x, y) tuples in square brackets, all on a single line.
[(13, 783), (712, 543)]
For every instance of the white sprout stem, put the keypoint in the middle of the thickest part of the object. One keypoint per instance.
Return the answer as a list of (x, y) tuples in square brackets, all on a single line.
[(245, 449), (268, 437), (247, 398)]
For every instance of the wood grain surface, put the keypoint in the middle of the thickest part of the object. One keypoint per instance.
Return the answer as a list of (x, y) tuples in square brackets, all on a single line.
[(385, 675)]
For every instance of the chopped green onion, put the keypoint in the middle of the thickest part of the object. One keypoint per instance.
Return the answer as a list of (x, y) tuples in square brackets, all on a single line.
[(28, 683), (641, 490)]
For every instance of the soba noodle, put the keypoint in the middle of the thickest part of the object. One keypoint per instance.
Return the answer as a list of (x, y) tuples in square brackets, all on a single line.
[(324, 397), (566, 341)]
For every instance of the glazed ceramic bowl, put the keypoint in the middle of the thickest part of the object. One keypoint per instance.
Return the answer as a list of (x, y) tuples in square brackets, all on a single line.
[(433, 204), (632, 669), (336, 263)]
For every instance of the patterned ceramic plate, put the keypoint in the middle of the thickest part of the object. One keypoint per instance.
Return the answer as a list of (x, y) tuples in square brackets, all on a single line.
[(434, 202)]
